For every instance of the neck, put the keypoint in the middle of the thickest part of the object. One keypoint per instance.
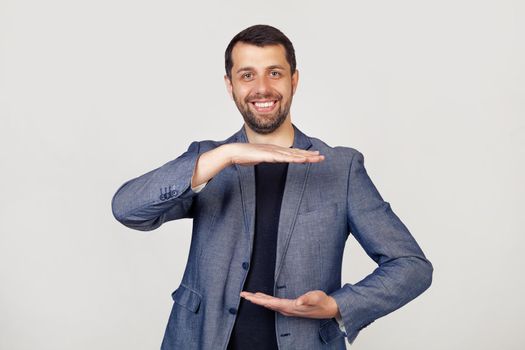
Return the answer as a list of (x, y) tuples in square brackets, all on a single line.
[(282, 136)]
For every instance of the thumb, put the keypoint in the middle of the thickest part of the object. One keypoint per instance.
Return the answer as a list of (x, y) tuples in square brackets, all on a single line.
[(303, 299)]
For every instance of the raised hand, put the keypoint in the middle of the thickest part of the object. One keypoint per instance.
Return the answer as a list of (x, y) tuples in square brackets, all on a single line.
[(213, 161), (254, 153)]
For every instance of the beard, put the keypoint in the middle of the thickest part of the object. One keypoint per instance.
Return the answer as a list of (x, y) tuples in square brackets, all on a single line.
[(263, 124)]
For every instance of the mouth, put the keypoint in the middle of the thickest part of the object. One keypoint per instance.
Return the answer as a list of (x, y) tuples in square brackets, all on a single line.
[(264, 106)]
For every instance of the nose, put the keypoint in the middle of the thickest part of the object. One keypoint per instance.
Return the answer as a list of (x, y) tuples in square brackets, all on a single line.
[(263, 85)]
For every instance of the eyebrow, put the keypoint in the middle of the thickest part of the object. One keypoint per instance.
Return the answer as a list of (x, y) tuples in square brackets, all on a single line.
[(275, 66)]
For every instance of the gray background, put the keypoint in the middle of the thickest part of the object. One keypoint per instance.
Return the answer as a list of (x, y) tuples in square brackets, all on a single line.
[(93, 93)]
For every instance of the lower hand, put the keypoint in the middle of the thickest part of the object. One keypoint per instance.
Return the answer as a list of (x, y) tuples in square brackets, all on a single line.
[(313, 304)]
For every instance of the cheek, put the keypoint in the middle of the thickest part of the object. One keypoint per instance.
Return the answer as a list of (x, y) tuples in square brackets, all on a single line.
[(285, 88), (241, 93)]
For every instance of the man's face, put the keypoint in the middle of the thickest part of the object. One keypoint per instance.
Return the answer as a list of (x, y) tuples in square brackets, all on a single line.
[(261, 85)]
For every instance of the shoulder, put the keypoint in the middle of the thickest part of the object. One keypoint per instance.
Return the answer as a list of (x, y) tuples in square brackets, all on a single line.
[(341, 152), (206, 145)]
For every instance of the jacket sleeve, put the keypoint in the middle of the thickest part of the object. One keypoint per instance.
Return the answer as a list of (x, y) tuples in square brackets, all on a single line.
[(403, 271), (163, 194)]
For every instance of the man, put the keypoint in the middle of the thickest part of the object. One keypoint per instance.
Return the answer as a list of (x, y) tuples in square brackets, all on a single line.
[(272, 209)]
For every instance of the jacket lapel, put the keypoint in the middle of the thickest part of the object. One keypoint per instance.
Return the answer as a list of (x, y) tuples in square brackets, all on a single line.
[(293, 191)]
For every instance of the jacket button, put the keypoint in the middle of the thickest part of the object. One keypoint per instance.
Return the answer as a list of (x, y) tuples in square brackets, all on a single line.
[(245, 265), (233, 310)]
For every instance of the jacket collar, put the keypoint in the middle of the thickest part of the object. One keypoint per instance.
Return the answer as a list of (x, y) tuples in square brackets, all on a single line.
[(296, 179)]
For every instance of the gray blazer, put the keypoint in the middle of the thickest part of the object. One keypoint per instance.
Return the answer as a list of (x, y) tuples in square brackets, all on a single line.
[(322, 203)]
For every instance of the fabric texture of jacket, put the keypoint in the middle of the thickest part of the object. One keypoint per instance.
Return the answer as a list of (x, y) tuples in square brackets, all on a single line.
[(322, 204)]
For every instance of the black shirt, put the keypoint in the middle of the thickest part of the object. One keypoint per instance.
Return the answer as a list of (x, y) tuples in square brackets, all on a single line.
[(254, 327)]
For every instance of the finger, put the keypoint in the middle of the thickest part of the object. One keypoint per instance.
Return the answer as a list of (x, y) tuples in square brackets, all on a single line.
[(309, 159), (289, 158), (298, 156), (312, 297), (266, 300), (315, 159), (286, 307), (298, 151), (257, 295), (272, 146), (260, 294), (304, 151)]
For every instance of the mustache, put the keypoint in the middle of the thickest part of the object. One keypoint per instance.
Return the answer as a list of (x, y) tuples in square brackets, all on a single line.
[(263, 97)]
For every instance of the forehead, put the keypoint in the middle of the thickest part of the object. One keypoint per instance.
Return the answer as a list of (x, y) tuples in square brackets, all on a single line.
[(244, 55)]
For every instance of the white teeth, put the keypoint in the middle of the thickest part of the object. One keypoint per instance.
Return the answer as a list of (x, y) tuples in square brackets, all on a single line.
[(264, 104)]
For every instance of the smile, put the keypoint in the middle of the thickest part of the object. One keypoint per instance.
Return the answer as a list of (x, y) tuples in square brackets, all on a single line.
[(266, 106)]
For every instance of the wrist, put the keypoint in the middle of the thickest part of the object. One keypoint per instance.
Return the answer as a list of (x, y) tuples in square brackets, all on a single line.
[(336, 313), (227, 152), (338, 316)]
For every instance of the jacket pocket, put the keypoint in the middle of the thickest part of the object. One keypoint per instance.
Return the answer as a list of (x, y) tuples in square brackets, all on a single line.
[(325, 212), (187, 298)]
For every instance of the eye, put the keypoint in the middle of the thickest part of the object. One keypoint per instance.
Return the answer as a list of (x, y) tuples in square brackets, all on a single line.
[(246, 76), (276, 73)]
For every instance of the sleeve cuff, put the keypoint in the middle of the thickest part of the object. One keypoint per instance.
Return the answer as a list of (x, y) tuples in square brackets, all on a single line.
[(197, 189), (341, 324)]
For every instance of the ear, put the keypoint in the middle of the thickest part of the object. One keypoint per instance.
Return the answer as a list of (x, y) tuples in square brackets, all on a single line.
[(229, 86), (295, 81)]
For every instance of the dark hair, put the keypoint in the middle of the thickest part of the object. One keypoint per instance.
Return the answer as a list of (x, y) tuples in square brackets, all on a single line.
[(260, 35)]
